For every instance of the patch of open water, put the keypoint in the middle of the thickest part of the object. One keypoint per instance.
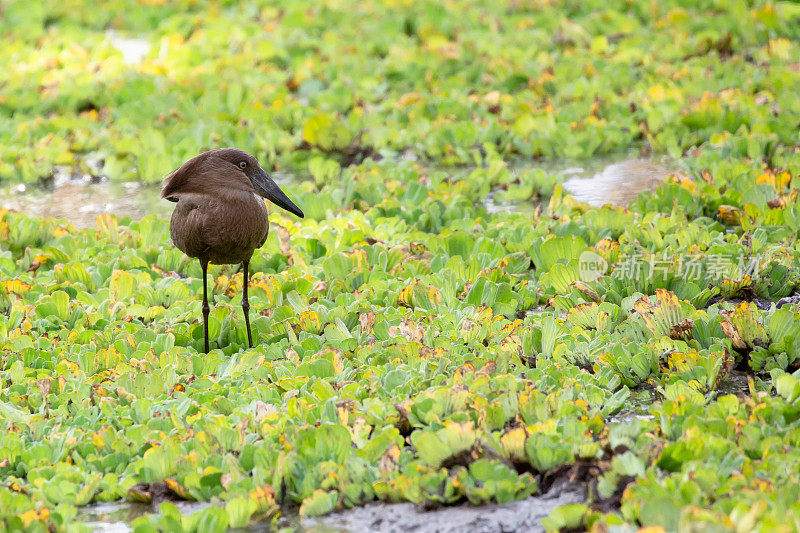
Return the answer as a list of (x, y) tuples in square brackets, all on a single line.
[(619, 182), (133, 49), (524, 515), (616, 179), (115, 517), (80, 198), (377, 517)]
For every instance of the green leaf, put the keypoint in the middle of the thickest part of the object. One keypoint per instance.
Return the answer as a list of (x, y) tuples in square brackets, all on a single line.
[(319, 503)]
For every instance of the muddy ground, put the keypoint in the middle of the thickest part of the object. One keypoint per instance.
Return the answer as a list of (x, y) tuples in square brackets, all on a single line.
[(525, 515)]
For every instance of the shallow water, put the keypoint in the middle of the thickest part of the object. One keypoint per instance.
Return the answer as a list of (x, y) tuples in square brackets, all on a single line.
[(620, 182), (133, 49), (525, 515), (637, 407), (615, 179), (735, 383), (80, 201), (80, 198), (115, 517)]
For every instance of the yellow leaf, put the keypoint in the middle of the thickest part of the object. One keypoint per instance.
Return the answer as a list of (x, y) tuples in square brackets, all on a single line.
[(656, 93), (730, 214), (689, 185), (513, 442), (264, 496), (14, 286), (38, 515), (408, 99)]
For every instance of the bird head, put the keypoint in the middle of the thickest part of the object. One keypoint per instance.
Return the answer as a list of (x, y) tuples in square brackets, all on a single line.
[(226, 167)]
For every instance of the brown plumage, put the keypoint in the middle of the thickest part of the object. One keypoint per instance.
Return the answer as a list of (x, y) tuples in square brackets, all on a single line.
[(220, 216)]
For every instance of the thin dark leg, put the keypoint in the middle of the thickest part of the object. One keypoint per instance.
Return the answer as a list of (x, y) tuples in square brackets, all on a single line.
[(246, 303), (204, 266)]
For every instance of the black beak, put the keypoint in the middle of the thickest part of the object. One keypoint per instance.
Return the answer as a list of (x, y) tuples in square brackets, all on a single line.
[(269, 189)]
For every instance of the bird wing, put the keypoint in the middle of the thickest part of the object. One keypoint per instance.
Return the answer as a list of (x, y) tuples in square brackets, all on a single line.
[(188, 227)]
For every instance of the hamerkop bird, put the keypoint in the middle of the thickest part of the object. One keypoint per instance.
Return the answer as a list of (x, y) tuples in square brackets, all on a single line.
[(220, 217)]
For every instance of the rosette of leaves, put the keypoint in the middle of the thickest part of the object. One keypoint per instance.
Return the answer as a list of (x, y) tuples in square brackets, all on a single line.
[(769, 339), (556, 258), (665, 315), (633, 362), (600, 317)]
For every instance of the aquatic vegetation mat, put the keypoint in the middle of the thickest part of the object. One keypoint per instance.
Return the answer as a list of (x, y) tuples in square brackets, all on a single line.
[(412, 346)]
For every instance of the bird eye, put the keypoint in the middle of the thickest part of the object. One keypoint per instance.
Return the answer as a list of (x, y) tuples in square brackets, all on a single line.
[(242, 164)]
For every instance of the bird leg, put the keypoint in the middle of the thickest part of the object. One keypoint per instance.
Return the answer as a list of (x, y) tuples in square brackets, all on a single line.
[(204, 266), (246, 303)]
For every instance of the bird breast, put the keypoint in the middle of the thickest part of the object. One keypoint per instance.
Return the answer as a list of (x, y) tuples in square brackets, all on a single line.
[(219, 229)]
